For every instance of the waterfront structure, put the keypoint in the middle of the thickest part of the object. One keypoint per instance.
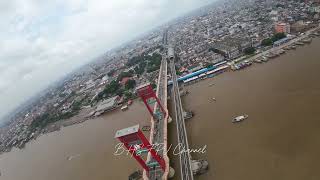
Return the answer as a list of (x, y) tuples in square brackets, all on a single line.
[(280, 42), (107, 105), (194, 75)]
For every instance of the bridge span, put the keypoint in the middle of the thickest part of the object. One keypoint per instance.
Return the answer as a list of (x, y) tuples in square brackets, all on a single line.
[(157, 165), (159, 131)]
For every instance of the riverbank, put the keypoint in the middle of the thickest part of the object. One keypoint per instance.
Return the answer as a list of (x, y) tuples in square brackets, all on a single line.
[(279, 140), (290, 44)]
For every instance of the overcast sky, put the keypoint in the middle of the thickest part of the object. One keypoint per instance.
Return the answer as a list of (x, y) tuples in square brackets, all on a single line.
[(40, 41)]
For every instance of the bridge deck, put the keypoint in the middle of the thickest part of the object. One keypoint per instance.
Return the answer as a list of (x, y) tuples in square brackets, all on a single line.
[(158, 132)]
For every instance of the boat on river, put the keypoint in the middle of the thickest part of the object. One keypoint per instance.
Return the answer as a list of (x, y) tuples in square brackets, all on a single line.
[(299, 43), (124, 108), (307, 40), (239, 118)]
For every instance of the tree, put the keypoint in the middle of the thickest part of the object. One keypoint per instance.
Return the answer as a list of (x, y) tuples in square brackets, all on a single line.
[(178, 72), (154, 62), (153, 85), (76, 106), (266, 42), (128, 94), (47, 118), (274, 38), (119, 91), (130, 84), (278, 36), (112, 87), (249, 50), (131, 71), (140, 68)]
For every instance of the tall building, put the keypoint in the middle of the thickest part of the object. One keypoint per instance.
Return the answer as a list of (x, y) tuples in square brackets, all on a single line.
[(282, 28)]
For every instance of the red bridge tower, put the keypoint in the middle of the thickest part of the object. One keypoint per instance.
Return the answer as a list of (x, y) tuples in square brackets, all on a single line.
[(137, 144), (148, 96)]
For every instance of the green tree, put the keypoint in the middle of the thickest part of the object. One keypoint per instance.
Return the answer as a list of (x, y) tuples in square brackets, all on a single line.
[(120, 91), (249, 50), (112, 88), (178, 72), (153, 85), (128, 94), (139, 69), (154, 62), (130, 84), (278, 36), (266, 42), (76, 106), (47, 118)]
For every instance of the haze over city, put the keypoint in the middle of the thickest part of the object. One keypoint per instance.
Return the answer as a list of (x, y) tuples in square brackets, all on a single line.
[(41, 41)]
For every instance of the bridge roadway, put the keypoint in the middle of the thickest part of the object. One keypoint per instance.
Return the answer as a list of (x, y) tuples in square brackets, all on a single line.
[(158, 132), (184, 156)]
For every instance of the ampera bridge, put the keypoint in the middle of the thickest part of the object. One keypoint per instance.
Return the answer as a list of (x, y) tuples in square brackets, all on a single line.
[(156, 166)]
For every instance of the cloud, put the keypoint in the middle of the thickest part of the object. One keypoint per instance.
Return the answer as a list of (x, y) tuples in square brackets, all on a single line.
[(44, 40)]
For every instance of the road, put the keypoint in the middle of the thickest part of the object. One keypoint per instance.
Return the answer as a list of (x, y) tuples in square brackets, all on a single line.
[(158, 133), (159, 121)]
